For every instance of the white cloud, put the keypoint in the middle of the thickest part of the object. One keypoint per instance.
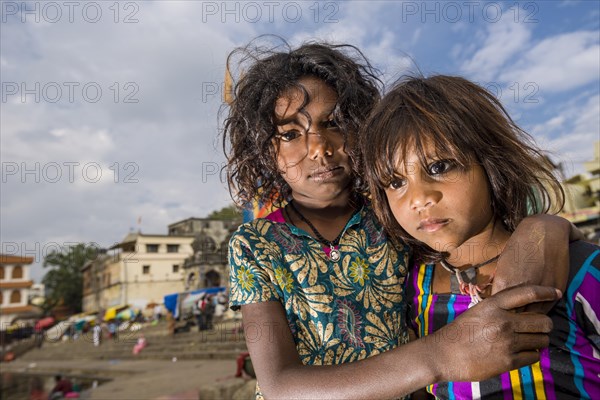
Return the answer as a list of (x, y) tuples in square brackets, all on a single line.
[(504, 39), (569, 135), (168, 136), (559, 63)]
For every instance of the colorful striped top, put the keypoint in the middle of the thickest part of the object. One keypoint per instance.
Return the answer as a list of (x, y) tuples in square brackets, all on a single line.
[(568, 369)]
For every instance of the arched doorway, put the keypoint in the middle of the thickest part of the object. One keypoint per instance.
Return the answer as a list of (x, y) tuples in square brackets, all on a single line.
[(212, 279)]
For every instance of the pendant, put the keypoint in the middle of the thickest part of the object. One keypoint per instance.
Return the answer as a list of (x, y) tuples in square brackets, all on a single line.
[(468, 275), (334, 254)]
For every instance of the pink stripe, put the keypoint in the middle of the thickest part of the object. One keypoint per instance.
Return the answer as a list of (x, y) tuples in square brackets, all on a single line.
[(433, 302), (547, 374), (506, 387), (462, 390), (589, 364), (276, 216)]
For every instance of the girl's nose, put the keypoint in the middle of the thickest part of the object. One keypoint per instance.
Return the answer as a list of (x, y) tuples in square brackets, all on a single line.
[(319, 145), (423, 196)]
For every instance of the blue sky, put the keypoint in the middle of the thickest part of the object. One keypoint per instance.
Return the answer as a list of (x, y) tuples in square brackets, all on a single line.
[(109, 110)]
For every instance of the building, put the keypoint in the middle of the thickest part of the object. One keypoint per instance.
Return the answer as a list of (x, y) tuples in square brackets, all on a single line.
[(208, 265), (138, 271), (582, 200), (14, 290)]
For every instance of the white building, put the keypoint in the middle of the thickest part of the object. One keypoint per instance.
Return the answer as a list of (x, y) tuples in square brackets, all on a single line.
[(14, 289), (142, 269)]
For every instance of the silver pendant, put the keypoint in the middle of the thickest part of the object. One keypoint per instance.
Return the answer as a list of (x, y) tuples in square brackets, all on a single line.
[(334, 255)]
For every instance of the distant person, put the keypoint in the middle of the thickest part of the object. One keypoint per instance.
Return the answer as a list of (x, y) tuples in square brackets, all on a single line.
[(97, 334), (140, 345), (157, 312), (170, 324), (36, 389), (197, 311), (39, 337), (209, 312), (112, 330), (62, 387)]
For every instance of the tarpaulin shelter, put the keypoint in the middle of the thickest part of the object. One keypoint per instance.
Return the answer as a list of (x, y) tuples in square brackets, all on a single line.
[(174, 302)]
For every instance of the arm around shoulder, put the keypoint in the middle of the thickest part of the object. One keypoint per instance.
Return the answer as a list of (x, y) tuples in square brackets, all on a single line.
[(537, 253), (409, 367)]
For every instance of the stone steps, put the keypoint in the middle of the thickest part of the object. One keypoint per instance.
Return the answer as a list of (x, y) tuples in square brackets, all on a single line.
[(223, 342), (144, 354)]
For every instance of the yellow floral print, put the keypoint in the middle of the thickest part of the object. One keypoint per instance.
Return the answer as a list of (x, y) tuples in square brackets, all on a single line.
[(359, 271), (245, 278), (284, 279), (338, 311)]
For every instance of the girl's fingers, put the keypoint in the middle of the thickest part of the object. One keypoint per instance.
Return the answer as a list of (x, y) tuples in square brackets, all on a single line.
[(525, 358), (532, 323), (520, 296), (529, 342)]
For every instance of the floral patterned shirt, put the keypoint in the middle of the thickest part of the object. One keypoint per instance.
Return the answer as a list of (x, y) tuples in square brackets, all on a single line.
[(338, 312)]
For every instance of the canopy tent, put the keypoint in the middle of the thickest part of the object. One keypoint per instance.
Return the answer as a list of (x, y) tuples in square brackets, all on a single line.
[(127, 314), (44, 323), (111, 313), (55, 333)]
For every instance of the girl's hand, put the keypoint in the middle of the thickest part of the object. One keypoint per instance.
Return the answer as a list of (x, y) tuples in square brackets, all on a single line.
[(491, 338)]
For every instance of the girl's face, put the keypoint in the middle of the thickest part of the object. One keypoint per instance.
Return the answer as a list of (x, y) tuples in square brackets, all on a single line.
[(310, 153), (442, 204)]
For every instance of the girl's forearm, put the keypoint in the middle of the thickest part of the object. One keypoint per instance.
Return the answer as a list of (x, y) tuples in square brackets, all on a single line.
[(537, 253)]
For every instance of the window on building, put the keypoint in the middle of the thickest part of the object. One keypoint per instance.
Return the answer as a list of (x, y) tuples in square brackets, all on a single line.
[(151, 248), (17, 272), (146, 269), (1, 273), (107, 279), (1, 298), (175, 268), (15, 296), (172, 248)]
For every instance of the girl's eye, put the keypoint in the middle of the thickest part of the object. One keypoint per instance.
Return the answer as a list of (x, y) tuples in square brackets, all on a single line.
[(439, 167), (288, 136), (397, 183), (331, 123)]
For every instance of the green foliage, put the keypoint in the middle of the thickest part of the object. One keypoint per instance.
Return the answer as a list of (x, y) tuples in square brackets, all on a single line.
[(64, 281), (226, 213)]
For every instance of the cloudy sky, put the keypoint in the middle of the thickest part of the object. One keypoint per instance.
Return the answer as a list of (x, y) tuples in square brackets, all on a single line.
[(109, 109)]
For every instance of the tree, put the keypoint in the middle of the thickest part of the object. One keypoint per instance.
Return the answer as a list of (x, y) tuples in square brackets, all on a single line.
[(64, 282), (226, 213)]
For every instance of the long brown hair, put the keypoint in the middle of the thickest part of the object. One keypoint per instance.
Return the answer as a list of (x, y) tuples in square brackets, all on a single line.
[(462, 121), (266, 72)]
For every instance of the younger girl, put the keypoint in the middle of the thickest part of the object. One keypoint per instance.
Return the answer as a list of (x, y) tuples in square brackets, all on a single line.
[(452, 175)]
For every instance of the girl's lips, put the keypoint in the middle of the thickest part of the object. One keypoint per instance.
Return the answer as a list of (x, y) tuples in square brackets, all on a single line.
[(432, 224), (325, 174)]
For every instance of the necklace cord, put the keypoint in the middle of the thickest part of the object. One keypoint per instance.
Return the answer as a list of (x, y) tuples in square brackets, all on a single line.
[(320, 237)]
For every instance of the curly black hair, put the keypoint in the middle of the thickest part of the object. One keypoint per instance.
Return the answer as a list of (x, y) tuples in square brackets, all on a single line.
[(265, 72), (465, 122)]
